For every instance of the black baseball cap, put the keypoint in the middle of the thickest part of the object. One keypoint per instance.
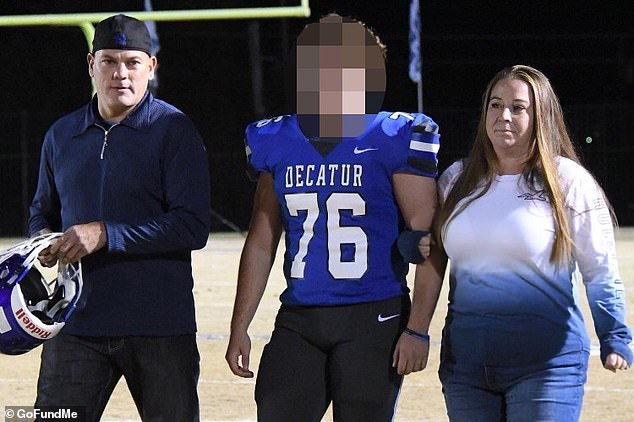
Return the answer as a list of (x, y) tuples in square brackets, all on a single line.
[(121, 32)]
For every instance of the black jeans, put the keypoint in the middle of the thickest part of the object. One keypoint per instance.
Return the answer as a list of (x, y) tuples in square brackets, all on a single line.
[(161, 374)]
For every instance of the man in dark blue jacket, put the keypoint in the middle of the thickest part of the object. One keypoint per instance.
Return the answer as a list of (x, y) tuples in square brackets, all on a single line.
[(126, 179)]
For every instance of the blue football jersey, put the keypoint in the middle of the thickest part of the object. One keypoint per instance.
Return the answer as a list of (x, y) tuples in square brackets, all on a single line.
[(340, 216)]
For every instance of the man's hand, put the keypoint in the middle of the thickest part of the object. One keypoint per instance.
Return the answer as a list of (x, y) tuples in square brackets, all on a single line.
[(615, 361), (77, 242), (238, 352), (46, 258), (410, 355)]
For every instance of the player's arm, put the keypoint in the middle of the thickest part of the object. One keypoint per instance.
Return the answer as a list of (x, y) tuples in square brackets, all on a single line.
[(256, 261), (411, 353), (417, 199)]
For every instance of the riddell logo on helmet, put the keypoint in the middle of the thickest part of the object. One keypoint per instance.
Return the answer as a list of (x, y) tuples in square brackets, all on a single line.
[(29, 326)]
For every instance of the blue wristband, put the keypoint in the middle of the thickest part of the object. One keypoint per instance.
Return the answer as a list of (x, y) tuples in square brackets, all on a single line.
[(407, 244), (420, 336)]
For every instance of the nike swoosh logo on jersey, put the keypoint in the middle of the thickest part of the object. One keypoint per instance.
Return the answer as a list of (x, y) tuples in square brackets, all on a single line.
[(361, 151), (382, 318)]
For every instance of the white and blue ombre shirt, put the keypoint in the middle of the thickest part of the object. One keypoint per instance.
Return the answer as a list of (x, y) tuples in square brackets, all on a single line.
[(508, 304)]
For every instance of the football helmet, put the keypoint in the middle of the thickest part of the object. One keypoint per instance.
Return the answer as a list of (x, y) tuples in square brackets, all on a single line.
[(33, 310)]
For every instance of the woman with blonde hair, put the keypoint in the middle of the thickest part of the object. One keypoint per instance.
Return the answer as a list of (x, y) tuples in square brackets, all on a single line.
[(519, 217)]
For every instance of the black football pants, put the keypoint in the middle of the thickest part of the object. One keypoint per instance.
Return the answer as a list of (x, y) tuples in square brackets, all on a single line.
[(338, 354)]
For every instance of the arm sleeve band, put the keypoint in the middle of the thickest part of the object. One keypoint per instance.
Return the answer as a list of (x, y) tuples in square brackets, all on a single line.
[(408, 245)]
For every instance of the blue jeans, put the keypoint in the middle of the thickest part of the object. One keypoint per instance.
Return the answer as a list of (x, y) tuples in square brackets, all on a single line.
[(551, 391), (161, 374)]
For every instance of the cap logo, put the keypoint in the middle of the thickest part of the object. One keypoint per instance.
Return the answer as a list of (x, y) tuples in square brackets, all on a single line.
[(119, 38)]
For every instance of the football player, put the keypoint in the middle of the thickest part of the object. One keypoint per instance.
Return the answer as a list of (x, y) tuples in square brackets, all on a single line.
[(342, 180)]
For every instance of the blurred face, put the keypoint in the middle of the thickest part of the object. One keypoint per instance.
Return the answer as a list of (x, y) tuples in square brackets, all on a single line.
[(340, 78), (121, 78), (510, 117)]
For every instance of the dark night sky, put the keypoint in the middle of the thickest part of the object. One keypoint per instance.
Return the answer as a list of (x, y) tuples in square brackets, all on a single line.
[(585, 47)]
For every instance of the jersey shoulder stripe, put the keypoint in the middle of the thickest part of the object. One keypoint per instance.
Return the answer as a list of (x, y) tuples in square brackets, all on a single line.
[(420, 134), (270, 136)]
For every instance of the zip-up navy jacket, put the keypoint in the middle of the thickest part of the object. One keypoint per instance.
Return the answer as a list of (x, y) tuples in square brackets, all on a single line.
[(147, 179)]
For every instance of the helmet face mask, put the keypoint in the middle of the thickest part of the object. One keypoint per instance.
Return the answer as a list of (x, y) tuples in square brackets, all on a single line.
[(33, 310)]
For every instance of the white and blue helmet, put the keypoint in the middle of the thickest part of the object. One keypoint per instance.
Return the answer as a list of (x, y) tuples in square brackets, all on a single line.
[(33, 310)]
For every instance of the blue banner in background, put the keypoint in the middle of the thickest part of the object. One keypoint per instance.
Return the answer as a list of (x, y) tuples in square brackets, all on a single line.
[(414, 42), (151, 26), (156, 46)]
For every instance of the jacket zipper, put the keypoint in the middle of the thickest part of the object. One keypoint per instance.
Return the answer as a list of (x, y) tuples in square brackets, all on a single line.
[(105, 138)]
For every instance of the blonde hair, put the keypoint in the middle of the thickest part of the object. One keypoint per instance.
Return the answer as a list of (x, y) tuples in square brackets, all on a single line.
[(550, 141)]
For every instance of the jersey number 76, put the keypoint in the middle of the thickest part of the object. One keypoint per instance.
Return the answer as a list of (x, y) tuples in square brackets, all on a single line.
[(337, 235)]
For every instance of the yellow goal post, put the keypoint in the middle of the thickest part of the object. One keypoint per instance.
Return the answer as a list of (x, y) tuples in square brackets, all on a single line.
[(85, 20)]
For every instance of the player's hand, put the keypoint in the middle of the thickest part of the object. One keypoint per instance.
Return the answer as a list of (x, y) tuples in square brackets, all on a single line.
[(238, 352), (614, 361), (410, 355), (78, 241)]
